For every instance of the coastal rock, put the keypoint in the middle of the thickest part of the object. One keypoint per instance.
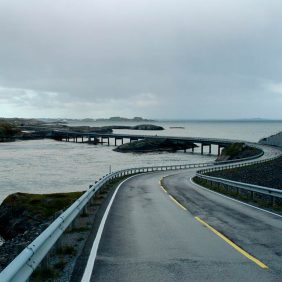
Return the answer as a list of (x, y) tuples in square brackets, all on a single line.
[(147, 127), (237, 151), (136, 127), (154, 145), (24, 216), (274, 140)]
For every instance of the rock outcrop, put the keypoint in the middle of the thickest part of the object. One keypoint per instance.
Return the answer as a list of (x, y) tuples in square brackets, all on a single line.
[(136, 127), (24, 216), (154, 145), (274, 140), (237, 151)]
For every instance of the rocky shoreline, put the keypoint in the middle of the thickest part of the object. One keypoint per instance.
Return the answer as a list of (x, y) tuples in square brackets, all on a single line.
[(24, 216), (32, 129)]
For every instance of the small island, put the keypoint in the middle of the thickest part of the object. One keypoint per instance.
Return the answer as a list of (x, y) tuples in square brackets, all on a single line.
[(118, 119), (238, 151), (155, 145), (136, 127)]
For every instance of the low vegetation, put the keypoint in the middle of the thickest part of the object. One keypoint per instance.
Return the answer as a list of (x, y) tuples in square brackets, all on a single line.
[(155, 145), (21, 211), (238, 151), (7, 130)]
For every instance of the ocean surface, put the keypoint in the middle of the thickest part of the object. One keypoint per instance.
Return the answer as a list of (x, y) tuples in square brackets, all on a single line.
[(47, 166)]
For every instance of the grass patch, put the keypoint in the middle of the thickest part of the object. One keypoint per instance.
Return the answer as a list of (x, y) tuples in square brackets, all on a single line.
[(60, 265), (43, 274), (43, 205), (79, 229), (66, 250)]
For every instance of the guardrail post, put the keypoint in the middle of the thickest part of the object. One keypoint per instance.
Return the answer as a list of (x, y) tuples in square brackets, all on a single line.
[(73, 225), (45, 263), (251, 195), (85, 210), (272, 199)]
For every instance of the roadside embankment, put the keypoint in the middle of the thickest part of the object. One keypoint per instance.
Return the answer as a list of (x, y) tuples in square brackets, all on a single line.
[(23, 216), (264, 174)]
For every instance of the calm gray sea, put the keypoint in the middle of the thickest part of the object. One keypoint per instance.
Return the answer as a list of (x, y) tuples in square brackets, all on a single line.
[(47, 166)]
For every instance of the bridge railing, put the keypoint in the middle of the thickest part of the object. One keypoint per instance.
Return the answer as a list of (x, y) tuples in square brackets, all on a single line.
[(21, 268)]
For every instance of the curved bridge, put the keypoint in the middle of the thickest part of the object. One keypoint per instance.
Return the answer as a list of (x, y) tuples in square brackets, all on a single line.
[(112, 138)]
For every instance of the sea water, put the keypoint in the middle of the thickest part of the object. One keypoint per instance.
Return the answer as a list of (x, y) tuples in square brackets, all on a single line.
[(48, 166)]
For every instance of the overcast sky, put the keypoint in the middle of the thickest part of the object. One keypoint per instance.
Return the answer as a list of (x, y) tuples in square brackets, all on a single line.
[(152, 58)]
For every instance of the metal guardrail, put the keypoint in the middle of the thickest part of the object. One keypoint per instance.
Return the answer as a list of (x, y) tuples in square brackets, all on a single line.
[(240, 163), (21, 268), (245, 186), (240, 185)]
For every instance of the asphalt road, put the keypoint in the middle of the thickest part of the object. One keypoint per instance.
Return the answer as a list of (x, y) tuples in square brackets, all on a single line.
[(149, 237)]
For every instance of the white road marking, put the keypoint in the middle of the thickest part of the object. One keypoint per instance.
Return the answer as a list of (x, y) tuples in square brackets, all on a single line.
[(92, 257), (235, 200)]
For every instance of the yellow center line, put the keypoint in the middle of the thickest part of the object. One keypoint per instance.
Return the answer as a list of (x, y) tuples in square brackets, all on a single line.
[(177, 203), (161, 185), (163, 189), (240, 250)]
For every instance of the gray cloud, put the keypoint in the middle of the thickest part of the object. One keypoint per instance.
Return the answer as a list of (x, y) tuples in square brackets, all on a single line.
[(161, 59)]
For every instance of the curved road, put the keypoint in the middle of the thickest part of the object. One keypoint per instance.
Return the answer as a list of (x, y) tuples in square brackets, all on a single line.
[(148, 236)]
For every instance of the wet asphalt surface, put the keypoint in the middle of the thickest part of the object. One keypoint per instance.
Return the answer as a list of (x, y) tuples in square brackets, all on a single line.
[(147, 237)]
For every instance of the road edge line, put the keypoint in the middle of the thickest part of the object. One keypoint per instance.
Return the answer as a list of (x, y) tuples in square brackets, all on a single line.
[(235, 200), (92, 256), (176, 202)]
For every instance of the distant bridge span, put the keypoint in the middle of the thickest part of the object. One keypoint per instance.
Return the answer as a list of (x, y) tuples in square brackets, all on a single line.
[(104, 138)]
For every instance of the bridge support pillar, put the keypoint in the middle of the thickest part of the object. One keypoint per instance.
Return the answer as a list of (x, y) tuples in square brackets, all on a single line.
[(210, 149), (218, 150), (202, 149)]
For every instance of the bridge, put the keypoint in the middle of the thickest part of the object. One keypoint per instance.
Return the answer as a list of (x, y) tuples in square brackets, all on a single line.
[(158, 225), (114, 138)]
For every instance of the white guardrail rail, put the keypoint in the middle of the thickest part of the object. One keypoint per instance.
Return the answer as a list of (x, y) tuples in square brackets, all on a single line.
[(245, 186), (21, 268), (241, 185)]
